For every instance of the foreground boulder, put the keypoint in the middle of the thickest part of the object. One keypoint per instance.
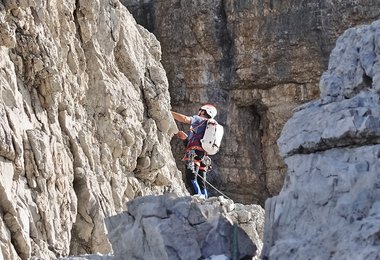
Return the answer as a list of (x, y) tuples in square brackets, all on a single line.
[(170, 227), (329, 207)]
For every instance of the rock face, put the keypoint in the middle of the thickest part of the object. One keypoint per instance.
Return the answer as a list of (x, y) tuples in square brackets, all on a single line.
[(84, 124), (329, 207), (170, 227), (256, 60)]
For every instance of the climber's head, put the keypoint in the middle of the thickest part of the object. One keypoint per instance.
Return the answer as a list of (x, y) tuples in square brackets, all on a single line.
[(210, 110)]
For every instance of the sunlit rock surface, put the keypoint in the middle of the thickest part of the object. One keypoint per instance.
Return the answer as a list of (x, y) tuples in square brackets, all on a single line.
[(329, 207), (84, 127)]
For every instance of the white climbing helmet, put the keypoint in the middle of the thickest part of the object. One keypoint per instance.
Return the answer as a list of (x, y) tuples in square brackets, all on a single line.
[(210, 110)]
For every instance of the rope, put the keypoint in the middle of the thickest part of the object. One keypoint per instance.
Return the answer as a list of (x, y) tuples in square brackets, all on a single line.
[(214, 187)]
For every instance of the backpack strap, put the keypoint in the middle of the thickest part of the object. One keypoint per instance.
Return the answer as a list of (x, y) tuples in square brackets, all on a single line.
[(196, 145), (193, 129)]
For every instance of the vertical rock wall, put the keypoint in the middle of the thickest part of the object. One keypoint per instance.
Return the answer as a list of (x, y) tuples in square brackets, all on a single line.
[(256, 60), (329, 207), (84, 124)]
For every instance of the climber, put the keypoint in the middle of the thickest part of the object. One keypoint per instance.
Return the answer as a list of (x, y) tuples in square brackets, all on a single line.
[(197, 161)]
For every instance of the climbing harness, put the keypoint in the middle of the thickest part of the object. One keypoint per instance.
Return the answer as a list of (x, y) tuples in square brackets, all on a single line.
[(206, 161)]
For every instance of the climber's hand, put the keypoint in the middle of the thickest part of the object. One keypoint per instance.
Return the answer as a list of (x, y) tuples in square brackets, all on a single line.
[(182, 135)]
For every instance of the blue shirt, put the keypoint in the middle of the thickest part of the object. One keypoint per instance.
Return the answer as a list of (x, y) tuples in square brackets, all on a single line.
[(198, 124)]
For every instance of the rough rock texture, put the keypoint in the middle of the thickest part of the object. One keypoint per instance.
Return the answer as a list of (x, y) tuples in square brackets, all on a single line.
[(329, 207), (256, 60), (170, 227), (84, 124)]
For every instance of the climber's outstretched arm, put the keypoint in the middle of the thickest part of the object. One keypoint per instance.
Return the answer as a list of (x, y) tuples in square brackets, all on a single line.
[(181, 118)]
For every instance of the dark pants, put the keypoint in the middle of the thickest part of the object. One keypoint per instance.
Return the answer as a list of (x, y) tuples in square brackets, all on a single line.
[(196, 177)]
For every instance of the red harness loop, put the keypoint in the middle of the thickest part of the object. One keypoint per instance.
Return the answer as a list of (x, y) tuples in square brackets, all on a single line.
[(194, 147)]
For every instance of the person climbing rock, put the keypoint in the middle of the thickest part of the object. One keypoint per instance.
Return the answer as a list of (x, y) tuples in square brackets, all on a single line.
[(196, 159)]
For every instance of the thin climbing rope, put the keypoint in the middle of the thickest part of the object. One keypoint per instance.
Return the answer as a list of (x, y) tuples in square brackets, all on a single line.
[(214, 187)]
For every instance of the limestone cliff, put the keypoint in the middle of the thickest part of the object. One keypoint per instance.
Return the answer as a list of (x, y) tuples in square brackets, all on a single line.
[(256, 60), (84, 124), (329, 207)]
